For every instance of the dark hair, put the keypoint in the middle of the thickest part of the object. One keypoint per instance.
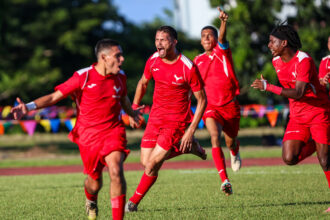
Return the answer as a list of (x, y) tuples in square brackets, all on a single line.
[(104, 44), (287, 32), (169, 30), (215, 32)]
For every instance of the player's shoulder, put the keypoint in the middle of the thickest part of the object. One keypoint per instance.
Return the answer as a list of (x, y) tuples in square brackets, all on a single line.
[(276, 59), (122, 74), (84, 71), (301, 55), (154, 56), (186, 61), (199, 56), (326, 57)]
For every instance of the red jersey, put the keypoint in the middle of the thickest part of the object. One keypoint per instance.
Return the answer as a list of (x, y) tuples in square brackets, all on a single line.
[(302, 68), (97, 98), (173, 86), (217, 71), (324, 67)]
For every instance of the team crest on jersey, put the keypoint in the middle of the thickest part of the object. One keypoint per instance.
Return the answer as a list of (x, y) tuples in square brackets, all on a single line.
[(117, 89), (178, 80)]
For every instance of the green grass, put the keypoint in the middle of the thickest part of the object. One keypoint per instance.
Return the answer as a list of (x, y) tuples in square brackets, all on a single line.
[(280, 192)]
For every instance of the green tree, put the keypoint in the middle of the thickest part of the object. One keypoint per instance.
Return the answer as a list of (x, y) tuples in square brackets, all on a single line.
[(44, 41)]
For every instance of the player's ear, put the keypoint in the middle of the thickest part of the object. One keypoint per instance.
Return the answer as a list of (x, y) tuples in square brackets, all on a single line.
[(284, 43)]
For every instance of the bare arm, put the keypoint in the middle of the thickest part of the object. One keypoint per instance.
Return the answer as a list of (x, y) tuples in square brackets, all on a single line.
[(141, 89), (294, 93), (187, 139), (21, 109), (222, 29)]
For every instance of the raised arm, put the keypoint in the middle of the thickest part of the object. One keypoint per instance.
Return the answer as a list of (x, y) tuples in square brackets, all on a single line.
[(22, 109), (223, 26), (141, 90)]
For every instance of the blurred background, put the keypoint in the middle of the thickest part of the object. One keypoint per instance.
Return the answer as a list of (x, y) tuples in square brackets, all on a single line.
[(42, 42)]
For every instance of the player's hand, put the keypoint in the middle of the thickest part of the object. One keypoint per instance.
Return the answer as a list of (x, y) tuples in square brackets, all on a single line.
[(259, 83), (186, 142), (20, 110), (223, 16), (325, 80), (137, 119)]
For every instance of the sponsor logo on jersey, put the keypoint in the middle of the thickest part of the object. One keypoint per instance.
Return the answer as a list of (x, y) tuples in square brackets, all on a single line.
[(91, 85)]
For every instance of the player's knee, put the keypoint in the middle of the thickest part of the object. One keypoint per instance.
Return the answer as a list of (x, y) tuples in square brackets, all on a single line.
[(151, 168), (115, 173), (290, 159), (94, 186), (324, 162)]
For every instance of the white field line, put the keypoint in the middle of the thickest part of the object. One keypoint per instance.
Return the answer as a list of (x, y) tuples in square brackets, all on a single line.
[(250, 172)]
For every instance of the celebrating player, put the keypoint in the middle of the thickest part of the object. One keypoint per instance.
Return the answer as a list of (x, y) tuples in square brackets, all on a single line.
[(176, 78), (100, 94), (221, 86), (309, 105), (324, 70)]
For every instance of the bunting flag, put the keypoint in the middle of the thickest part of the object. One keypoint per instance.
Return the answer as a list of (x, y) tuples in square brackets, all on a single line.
[(262, 111), (29, 126), (55, 124), (45, 123), (21, 123), (68, 124), (2, 129), (6, 111), (272, 117), (73, 121)]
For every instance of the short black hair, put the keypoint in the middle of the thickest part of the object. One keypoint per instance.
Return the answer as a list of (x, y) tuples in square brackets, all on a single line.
[(287, 32), (215, 32), (169, 30), (104, 44)]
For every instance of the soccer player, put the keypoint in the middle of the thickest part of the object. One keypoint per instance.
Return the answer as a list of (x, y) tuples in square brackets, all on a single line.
[(309, 105), (176, 78), (221, 86), (100, 93), (324, 69)]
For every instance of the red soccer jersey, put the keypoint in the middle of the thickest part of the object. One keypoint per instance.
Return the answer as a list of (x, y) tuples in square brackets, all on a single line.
[(324, 67), (97, 97), (173, 86), (302, 68), (217, 71)]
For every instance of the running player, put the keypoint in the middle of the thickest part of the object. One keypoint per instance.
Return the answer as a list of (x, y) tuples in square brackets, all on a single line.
[(175, 78), (100, 94), (309, 105), (324, 70), (221, 86)]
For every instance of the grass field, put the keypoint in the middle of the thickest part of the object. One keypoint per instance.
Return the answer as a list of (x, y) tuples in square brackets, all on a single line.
[(279, 192)]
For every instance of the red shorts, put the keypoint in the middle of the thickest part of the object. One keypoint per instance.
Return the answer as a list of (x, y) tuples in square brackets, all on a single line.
[(95, 144), (228, 116), (166, 135), (320, 132)]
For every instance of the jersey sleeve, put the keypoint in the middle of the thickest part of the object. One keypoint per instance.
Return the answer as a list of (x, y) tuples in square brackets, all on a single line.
[(304, 70), (69, 86), (323, 68), (147, 69), (195, 80)]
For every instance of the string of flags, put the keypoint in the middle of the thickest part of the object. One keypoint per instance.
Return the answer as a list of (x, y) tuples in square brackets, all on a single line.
[(53, 117)]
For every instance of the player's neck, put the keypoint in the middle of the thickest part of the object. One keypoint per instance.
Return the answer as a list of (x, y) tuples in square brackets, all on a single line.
[(287, 55), (171, 57), (101, 69)]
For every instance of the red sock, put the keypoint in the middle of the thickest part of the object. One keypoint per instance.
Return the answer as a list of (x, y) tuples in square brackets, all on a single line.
[(118, 206), (219, 160), (89, 196), (234, 152), (307, 150), (143, 187), (327, 175), (173, 154)]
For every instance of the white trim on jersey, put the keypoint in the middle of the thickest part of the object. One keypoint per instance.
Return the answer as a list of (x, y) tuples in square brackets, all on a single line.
[(186, 61), (302, 55), (276, 58), (225, 68), (326, 57), (155, 55), (81, 71)]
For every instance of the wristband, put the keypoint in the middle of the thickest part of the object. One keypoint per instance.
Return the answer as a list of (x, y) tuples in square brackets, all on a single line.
[(31, 106), (135, 106), (274, 89), (264, 83)]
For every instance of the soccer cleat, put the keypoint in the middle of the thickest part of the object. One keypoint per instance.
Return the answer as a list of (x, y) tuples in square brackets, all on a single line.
[(236, 161), (91, 209), (198, 150), (130, 207), (226, 188)]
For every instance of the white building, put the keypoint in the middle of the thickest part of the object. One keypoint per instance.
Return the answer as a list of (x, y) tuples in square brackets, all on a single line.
[(190, 16)]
